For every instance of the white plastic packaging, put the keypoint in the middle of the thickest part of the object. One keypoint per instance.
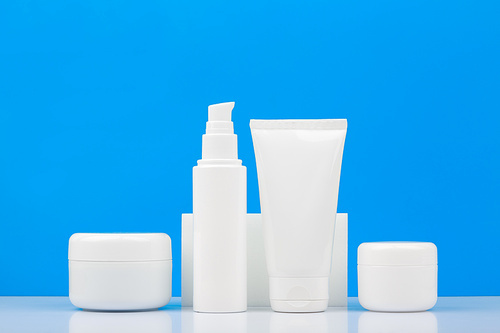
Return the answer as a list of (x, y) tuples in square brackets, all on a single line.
[(397, 276), (219, 212), (298, 166), (257, 277), (120, 272)]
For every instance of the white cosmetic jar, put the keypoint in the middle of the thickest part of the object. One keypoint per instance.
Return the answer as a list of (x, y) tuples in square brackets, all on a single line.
[(397, 276), (120, 272)]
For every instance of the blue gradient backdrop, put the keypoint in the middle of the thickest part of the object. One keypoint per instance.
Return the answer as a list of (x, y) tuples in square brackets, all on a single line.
[(103, 104)]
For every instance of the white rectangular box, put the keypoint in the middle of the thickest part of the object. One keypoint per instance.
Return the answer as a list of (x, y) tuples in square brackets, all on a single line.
[(258, 285)]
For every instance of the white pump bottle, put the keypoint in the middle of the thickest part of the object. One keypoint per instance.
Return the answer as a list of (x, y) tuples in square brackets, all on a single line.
[(219, 210)]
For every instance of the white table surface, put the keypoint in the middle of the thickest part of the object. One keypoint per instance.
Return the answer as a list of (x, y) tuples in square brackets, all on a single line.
[(56, 314)]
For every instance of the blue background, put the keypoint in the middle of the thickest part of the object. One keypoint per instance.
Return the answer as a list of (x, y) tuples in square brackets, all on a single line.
[(103, 104)]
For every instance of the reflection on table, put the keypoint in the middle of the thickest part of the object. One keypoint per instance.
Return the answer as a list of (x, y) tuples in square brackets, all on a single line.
[(408, 322), (120, 322), (58, 315), (261, 320)]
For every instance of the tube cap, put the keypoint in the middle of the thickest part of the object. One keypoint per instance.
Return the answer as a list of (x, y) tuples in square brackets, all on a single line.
[(397, 254), (119, 247), (299, 294)]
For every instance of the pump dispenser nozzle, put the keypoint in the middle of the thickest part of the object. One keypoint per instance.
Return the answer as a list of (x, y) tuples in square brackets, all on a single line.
[(220, 142), (220, 112), (219, 118)]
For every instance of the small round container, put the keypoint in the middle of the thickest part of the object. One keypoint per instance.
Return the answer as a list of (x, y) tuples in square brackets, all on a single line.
[(397, 276), (120, 272)]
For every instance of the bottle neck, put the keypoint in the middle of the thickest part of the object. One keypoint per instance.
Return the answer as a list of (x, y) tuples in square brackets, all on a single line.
[(217, 146)]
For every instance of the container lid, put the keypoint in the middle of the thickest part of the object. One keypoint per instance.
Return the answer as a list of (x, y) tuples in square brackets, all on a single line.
[(119, 247), (397, 253)]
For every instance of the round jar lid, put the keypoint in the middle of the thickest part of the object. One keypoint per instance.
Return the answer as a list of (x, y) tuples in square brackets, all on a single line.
[(397, 254), (119, 247)]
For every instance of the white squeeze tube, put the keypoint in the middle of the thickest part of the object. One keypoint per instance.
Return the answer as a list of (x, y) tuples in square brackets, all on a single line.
[(219, 219), (298, 167)]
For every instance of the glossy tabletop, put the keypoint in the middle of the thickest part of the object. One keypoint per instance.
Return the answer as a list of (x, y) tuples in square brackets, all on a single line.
[(56, 314)]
